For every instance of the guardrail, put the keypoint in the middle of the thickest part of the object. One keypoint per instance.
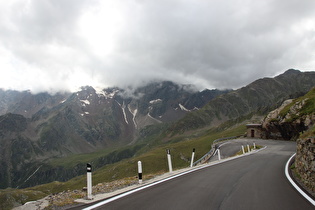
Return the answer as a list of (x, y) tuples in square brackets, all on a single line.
[(209, 154)]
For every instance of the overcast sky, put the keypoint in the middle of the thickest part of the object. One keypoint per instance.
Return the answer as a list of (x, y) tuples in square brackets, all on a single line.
[(53, 45)]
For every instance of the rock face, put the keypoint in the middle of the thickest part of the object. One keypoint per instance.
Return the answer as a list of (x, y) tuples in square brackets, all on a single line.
[(305, 162), (291, 118), (288, 122)]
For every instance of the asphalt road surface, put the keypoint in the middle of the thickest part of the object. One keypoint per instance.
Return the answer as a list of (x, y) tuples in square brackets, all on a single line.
[(251, 182), (231, 147)]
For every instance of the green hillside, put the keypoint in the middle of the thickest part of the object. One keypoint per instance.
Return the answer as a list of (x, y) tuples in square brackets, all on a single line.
[(154, 161), (307, 106)]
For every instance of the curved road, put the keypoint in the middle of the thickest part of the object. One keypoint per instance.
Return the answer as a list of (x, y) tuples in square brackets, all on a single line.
[(255, 182), (231, 147)]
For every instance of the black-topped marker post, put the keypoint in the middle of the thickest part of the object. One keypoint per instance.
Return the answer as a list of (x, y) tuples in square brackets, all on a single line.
[(89, 181), (140, 172), (192, 157), (169, 160)]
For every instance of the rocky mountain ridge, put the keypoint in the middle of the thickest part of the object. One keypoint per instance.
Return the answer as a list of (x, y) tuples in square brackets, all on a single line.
[(89, 120), (35, 128), (261, 96)]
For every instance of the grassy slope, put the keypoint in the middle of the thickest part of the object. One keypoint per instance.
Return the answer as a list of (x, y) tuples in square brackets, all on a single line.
[(308, 107), (154, 161)]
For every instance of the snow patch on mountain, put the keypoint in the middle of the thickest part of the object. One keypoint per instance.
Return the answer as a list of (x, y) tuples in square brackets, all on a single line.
[(134, 113), (108, 94), (155, 101), (183, 108), (124, 112), (85, 102), (123, 106)]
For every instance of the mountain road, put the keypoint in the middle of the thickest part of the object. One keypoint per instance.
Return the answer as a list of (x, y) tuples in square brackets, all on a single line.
[(254, 181)]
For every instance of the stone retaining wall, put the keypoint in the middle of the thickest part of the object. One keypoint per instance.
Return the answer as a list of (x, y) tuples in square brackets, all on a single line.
[(305, 162)]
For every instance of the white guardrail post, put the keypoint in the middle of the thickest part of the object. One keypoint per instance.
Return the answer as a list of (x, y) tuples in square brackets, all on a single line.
[(89, 181), (140, 172), (248, 149), (192, 158), (169, 160), (219, 154), (243, 150)]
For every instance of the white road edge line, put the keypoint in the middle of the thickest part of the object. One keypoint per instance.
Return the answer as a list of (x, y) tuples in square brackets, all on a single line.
[(166, 179), (295, 185)]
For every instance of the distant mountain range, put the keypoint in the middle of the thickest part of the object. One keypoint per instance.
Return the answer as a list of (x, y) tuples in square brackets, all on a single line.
[(259, 97), (36, 128)]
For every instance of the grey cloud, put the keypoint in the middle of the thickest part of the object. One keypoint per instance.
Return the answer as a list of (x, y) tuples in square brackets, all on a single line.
[(214, 44), (48, 20), (215, 40)]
